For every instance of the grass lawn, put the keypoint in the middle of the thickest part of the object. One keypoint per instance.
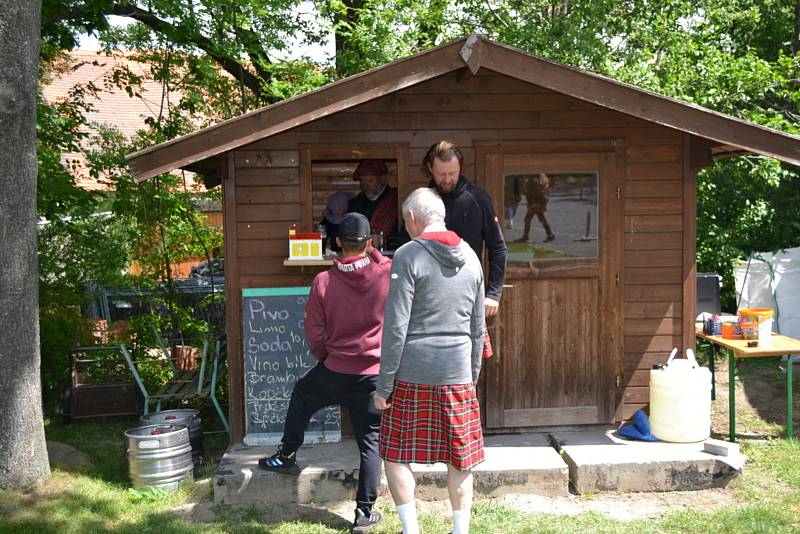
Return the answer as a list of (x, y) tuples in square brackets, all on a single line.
[(99, 500)]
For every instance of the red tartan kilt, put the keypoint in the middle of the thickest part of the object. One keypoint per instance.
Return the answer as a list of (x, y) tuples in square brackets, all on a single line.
[(426, 424)]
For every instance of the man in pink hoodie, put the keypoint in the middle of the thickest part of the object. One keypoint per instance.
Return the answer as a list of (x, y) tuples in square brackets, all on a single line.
[(343, 327)]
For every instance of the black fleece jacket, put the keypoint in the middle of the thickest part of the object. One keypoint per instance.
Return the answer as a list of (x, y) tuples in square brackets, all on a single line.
[(469, 213)]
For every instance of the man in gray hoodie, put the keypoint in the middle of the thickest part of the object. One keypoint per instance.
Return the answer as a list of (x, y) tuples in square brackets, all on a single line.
[(431, 351)]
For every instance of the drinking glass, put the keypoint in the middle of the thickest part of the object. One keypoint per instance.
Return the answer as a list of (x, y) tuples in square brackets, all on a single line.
[(377, 240)]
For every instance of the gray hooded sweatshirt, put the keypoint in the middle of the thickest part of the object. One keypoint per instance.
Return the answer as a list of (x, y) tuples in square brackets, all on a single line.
[(433, 330)]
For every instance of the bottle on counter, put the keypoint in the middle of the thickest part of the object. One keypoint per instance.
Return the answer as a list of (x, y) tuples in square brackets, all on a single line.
[(292, 230)]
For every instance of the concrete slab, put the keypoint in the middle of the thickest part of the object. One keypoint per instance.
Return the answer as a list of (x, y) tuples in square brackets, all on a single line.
[(604, 462), (329, 474), (514, 464)]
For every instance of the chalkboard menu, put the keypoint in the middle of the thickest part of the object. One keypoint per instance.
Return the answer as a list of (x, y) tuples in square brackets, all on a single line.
[(275, 358)]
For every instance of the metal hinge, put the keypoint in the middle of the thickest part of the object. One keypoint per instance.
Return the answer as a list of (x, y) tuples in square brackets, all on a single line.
[(616, 278), (619, 380), (619, 193)]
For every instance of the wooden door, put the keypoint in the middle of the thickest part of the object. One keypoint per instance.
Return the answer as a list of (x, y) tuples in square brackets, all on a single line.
[(558, 333)]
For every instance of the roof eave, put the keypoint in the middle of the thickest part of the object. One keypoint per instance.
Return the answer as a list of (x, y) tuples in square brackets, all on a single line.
[(296, 111), (475, 53)]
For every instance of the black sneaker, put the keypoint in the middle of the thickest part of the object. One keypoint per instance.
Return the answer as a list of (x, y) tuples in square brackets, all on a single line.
[(280, 463), (365, 521), (551, 237)]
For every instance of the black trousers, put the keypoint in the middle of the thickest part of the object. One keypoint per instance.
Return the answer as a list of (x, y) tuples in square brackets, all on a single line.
[(529, 217), (321, 387)]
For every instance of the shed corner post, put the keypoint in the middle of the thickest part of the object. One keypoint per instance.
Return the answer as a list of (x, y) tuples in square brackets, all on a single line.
[(233, 307), (689, 245)]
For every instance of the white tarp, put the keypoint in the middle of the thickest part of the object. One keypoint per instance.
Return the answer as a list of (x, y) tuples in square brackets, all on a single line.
[(772, 281)]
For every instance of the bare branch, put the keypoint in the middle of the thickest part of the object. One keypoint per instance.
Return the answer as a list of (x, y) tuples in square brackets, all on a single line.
[(230, 65), (497, 16)]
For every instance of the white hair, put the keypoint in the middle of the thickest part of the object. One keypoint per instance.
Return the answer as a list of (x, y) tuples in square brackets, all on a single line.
[(426, 205)]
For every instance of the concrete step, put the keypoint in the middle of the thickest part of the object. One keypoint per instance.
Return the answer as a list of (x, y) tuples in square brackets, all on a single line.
[(516, 463), (601, 462), (524, 463)]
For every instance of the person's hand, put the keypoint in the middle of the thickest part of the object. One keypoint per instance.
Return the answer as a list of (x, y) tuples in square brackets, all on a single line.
[(491, 306), (380, 402)]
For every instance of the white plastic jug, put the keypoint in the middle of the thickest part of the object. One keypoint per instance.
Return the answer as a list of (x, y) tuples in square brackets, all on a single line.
[(680, 400)]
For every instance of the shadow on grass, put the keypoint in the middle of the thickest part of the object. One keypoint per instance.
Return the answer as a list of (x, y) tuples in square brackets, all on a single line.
[(104, 441), (766, 392), (761, 400), (89, 506)]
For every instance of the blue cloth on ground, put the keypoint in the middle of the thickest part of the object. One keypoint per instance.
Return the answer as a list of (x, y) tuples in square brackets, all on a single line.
[(637, 428)]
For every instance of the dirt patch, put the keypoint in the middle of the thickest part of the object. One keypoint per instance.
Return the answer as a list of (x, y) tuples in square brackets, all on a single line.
[(760, 400), (620, 506), (623, 506)]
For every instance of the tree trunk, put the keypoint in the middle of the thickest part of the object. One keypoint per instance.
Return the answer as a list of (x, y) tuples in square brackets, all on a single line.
[(343, 23), (23, 454)]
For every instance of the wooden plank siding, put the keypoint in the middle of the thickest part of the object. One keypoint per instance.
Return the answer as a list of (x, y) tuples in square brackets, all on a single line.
[(269, 190), (655, 238)]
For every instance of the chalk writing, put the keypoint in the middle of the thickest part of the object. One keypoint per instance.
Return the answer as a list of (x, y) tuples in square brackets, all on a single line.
[(276, 356)]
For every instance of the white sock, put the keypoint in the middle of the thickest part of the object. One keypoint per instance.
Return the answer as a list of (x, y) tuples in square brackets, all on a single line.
[(408, 516), (461, 522)]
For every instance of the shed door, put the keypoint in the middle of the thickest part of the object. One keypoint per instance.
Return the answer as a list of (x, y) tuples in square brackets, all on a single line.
[(559, 323)]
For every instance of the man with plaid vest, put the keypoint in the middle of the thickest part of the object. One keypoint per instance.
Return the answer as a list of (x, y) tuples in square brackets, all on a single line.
[(377, 200)]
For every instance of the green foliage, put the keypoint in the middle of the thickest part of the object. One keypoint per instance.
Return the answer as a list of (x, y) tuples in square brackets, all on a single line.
[(745, 206), (90, 238), (78, 244), (243, 39)]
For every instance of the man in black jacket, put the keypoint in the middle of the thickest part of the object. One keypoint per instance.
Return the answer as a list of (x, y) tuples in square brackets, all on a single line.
[(469, 213)]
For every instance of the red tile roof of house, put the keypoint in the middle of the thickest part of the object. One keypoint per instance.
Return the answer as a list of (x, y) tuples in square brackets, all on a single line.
[(112, 106)]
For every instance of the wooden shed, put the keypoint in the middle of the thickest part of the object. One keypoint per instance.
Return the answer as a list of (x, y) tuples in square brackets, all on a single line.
[(583, 317)]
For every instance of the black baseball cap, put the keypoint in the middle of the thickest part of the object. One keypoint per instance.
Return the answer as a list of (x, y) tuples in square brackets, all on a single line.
[(354, 228)]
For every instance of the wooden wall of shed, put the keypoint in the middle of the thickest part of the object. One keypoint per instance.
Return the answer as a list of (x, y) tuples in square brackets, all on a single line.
[(654, 258), (487, 107)]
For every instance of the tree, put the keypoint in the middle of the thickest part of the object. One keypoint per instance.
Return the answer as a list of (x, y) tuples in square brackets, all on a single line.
[(79, 241), (23, 454), (239, 36)]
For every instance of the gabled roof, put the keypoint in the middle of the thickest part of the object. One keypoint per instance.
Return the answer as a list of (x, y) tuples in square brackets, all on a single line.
[(729, 135)]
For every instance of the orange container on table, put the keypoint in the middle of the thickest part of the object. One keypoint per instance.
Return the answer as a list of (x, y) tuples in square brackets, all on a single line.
[(756, 315), (728, 331)]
